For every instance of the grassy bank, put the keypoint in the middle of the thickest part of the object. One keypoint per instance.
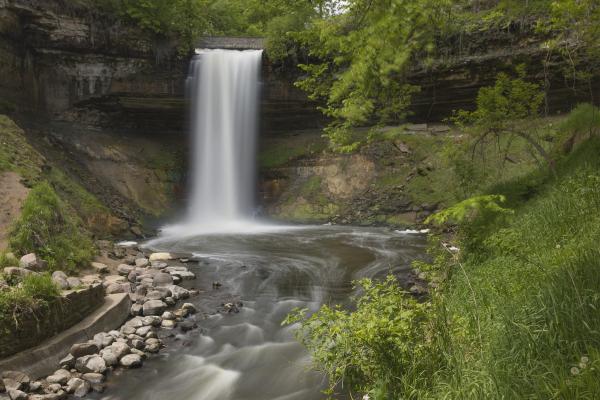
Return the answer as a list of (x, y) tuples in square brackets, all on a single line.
[(513, 305), (57, 216)]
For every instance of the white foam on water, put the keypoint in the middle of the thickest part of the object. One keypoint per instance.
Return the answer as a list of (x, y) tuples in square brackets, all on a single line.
[(127, 244), (412, 231)]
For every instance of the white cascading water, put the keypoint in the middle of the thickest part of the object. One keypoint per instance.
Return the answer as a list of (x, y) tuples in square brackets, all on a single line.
[(224, 85), (224, 89)]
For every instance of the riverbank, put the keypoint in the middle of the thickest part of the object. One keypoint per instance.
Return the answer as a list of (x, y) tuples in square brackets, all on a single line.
[(512, 300), (151, 281)]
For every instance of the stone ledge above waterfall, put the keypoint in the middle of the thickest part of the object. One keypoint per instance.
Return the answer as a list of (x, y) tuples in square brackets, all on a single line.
[(232, 43)]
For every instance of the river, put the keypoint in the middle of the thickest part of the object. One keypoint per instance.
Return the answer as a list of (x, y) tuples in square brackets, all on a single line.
[(249, 355)]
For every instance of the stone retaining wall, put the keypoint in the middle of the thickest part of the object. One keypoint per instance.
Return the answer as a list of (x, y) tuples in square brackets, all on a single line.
[(32, 328)]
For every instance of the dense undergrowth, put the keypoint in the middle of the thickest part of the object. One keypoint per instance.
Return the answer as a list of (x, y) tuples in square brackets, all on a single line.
[(52, 219), (48, 228), (513, 314)]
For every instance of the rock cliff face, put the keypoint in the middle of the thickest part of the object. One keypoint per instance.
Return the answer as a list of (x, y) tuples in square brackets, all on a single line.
[(102, 81), (471, 61)]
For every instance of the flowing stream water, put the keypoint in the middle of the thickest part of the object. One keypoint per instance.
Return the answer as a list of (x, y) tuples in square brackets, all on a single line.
[(266, 270), (249, 355)]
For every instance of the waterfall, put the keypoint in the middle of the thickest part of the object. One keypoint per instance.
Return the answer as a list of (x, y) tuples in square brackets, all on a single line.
[(224, 90)]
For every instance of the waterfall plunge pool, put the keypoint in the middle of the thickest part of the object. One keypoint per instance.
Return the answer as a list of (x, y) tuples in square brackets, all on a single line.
[(249, 355)]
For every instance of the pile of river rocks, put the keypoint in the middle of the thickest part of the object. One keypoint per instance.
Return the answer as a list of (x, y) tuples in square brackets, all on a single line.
[(152, 285)]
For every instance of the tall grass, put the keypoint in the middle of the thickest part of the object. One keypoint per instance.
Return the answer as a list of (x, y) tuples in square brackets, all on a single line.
[(526, 312), (47, 227)]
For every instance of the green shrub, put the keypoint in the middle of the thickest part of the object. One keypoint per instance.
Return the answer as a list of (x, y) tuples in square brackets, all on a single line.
[(584, 119), (380, 349), (8, 260), (48, 228), (35, 291)]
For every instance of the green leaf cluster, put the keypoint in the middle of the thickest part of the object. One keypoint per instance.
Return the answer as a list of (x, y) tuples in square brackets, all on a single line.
[(360, 59), (371, 349)]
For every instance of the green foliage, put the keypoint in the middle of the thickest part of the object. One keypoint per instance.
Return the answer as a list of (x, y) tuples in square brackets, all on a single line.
[(8, 260), (374, 349), (34, 291), (471, 210), (500, 105), (361, 58), (503, 109), (48, 228), (15, 153), (584, 119), (521, 307)]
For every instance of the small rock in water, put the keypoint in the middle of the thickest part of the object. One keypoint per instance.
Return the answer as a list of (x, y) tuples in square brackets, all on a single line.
[(78, 387), (189, 307), (187, 325), (158, 265), (168, 323), (161, 257), (131, 361), (170, 301), (168, 315), (93, 378)]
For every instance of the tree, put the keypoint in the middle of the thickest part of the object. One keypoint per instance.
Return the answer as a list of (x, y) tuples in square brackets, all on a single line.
[(502, 109), (360, 59), (576, 24)]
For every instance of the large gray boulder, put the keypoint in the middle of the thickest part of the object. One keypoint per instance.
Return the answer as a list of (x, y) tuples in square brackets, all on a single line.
[(109, 357), (78, 387), (73, 282), (100, 268), (60, 279), (93, 378), (119, 349), (17, 271), (32, 262), (91, 363), (118, 288), (154, 307), (15, 394), (158, 293), (162, 279), (15, 380), (124, 269), (60, 376), (178, 292), (84, 349), (131, 361), (161, 256), (141, 262)]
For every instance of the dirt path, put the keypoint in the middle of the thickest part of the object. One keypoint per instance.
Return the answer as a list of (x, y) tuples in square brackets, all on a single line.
[(12, 196)]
